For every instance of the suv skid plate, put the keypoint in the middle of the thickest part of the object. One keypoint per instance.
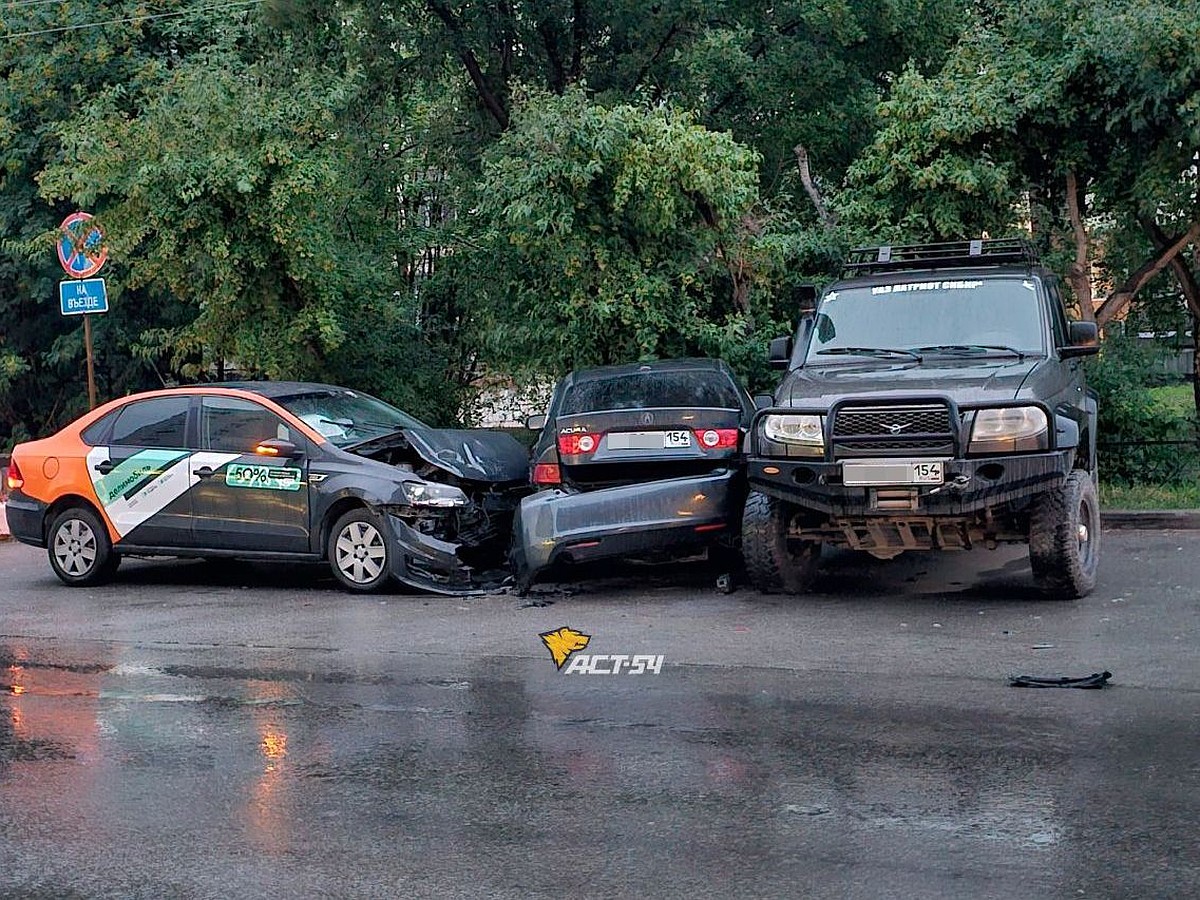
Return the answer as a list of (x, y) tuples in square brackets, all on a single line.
[(878, 472)]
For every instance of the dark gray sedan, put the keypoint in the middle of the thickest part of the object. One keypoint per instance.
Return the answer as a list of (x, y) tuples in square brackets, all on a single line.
[(640, 460)]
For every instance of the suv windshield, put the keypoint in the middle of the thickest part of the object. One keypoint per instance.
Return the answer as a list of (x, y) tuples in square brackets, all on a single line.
[(995, 315), (700, 389), (347, 417)]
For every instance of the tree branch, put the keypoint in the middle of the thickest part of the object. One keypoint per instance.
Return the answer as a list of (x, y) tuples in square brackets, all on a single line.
[(1183, 273), (578, 32), (662, 45), (810, 187), (489, 97), (1079, 275), (1120, 299)]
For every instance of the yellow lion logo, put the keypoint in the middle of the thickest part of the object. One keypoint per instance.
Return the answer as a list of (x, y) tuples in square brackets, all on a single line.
[(563, 642)]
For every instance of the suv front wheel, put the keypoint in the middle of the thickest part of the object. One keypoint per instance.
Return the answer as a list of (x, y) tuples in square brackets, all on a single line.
[(774, 562), (1064, 538)]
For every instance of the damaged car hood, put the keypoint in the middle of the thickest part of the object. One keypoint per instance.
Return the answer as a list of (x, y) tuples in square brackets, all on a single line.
[(469, 454)]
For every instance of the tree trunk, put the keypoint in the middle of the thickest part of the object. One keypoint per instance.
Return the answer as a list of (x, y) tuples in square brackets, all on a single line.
[(1196, 349), (1196, 371), (1080, 273)]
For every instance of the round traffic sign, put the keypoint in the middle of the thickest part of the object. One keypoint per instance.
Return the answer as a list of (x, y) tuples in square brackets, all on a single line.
[(80, 246)]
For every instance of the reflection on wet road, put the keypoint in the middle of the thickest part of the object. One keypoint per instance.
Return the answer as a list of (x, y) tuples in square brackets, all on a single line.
[(435, 750)]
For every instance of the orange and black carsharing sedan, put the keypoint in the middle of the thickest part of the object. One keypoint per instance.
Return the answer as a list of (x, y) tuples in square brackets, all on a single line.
[(271, 471)]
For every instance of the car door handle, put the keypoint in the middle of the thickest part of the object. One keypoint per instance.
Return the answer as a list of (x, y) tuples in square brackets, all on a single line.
[(104, 467), (203, 472)]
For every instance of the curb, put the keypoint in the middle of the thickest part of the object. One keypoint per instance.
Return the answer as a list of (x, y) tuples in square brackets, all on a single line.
[(1151, 519)]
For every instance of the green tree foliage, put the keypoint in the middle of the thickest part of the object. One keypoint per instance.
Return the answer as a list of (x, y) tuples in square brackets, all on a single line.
[(1078, 119), (246, 182), (44, 79), (1141, 441), (400, 194), (774, 74), (618, 233)]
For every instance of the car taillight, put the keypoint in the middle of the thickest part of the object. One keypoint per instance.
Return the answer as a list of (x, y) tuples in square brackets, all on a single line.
[(577, 444), (717, 438), (13, 478), (547, 473)]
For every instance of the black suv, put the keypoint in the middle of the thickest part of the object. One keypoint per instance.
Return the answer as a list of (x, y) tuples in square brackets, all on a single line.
[(934, 398)]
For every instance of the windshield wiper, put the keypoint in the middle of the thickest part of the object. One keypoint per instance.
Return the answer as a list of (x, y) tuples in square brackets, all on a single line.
[(869, 351), (972, 348)]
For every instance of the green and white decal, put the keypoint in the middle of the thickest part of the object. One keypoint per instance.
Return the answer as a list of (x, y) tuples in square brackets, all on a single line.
[(268, 478), (127, 478), (147, 482)]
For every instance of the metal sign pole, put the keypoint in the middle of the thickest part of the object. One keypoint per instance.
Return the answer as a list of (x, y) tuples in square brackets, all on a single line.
[(91, 368)]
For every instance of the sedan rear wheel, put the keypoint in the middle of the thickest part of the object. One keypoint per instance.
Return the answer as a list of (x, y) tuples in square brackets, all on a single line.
[(79, 548), (359, 553)]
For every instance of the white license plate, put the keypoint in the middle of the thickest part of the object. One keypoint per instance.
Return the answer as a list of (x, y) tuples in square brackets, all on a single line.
[(648, 440), (909, 471)]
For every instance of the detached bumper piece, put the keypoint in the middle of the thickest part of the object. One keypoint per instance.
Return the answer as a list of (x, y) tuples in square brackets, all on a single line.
[(554, 526), (1093, 681)]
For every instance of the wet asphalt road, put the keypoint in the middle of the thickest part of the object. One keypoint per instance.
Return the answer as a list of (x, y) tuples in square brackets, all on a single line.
[(252, 732)]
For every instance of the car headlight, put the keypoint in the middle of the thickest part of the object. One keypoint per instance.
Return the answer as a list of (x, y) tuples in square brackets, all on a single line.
[(1009, 430), (430, 493), (805, 433)]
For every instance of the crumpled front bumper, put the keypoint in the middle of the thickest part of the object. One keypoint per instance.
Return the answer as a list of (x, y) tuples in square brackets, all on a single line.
[(612, 522), (431, 564)]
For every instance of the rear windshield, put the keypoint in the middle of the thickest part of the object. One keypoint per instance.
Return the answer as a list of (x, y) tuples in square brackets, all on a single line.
[(649, 390)]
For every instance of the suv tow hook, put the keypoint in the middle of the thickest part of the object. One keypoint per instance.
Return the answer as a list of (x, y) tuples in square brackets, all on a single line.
[(955, 484)]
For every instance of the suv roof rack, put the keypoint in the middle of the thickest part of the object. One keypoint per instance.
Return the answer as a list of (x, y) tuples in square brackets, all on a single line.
[(952, 255)]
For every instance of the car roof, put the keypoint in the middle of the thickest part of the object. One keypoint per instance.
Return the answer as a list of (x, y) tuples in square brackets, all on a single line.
[(272, 389), (695, 364)]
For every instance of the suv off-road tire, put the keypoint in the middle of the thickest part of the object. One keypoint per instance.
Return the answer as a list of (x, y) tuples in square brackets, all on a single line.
[(773, 563), (1064, 538)]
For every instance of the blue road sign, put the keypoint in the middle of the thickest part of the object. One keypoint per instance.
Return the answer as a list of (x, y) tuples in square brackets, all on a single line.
[(78, 297)]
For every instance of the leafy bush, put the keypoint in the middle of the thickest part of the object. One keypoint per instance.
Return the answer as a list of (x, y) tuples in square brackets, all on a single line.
[(1137, 431)]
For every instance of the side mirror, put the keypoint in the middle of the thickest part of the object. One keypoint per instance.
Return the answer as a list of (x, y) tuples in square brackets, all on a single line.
[(277, 449), (1083, 338), (763, 401), (536, 423), (780, 353)]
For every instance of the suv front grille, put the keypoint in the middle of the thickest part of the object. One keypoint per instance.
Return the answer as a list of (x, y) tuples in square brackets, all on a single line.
[(893, 430)]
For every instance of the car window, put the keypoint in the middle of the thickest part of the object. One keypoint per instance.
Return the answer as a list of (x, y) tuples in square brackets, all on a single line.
[(1058, 315), (96, 434), (643, 390), (233, 425), (159, 422)]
